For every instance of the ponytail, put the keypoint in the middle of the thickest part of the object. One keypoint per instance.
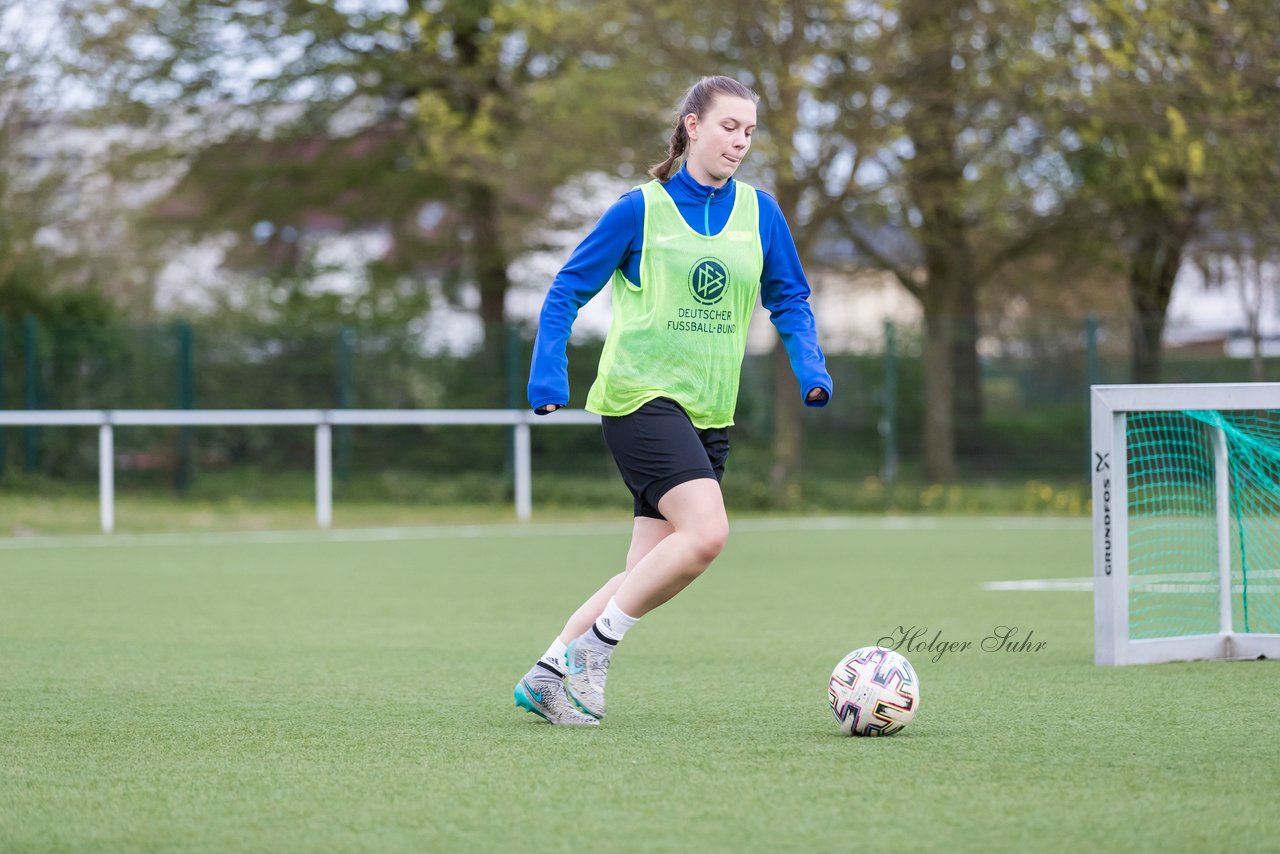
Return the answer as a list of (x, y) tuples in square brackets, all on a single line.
[(676, 146)]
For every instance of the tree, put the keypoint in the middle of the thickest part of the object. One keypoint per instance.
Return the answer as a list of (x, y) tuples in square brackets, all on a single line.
[(918, 115), (966, 163), (40, 262), (1177, 119), (800, 58), (479, 101), (1242, 256)]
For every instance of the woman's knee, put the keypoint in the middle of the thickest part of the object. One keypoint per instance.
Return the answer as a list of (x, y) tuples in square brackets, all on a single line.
[(696, 510), (709, 539)]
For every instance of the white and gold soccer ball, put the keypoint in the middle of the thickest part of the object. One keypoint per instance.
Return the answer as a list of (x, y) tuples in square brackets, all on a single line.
[(874, 691)]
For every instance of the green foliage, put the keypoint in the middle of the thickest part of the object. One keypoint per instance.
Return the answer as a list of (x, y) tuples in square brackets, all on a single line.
[(1035, 427), (348, 118), (31, 183), (83, 311), (1174, 115), (1047, 148)]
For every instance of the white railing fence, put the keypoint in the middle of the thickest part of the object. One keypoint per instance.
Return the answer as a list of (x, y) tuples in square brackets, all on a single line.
[(323, 420)]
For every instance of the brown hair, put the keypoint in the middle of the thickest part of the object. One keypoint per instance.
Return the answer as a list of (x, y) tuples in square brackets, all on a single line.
[(697, 101)]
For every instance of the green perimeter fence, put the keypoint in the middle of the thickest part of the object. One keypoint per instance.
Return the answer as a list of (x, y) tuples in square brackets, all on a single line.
[(1032, 421)]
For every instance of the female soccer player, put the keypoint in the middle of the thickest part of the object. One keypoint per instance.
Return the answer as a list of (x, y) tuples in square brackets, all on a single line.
[(687, 255)]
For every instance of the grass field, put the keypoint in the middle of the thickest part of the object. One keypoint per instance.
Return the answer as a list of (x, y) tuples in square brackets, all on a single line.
[(353, 692), (257, 500)]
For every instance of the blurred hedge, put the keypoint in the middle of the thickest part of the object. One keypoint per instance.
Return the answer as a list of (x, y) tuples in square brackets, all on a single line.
[(1034, 423)]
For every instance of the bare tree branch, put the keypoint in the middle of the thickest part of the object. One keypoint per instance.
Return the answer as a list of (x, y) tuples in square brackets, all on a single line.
[(901, 272)]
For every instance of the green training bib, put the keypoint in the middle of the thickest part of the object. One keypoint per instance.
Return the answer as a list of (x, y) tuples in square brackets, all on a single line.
[(684, 333)]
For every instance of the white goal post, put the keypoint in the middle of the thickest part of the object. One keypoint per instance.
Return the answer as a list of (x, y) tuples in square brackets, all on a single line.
[(323, 420), (1174, 552)]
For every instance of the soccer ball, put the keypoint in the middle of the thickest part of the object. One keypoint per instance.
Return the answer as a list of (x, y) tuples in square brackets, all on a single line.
[(874, 691)]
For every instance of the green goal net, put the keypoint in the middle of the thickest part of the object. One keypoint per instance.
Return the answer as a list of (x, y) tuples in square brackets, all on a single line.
[(1177, 504)]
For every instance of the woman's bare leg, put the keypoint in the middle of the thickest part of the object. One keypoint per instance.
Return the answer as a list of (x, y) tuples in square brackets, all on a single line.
[(645, 534), (695, 511)]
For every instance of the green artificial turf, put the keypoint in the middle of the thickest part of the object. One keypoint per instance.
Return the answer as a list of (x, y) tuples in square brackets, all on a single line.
[(313, 693)]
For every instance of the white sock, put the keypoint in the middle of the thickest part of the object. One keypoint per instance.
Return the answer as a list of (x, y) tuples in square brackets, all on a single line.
[(554, 656), (614, 622)]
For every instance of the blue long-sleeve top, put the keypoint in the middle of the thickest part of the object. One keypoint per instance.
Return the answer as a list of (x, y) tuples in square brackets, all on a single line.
[(615, 244)]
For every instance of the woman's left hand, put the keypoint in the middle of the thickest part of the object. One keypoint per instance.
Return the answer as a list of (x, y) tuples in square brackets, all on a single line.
[(816, 394)]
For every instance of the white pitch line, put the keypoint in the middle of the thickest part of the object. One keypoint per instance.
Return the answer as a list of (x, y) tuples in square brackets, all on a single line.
[(551, 529), (348, 535), (1082, 585)]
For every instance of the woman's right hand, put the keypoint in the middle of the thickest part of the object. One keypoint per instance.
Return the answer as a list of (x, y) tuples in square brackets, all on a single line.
[(548, 409)]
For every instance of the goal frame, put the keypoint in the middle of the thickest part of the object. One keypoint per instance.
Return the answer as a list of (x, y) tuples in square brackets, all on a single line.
[(1109, 408)]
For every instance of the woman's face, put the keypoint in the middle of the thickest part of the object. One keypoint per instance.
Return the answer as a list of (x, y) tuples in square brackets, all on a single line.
[(719, 140)]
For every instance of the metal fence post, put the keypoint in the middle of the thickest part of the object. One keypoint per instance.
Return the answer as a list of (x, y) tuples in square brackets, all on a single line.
[(3, 402), (324, 474), (1091, 368), (1091, 378), (344, 401), (106, 477), (888, 414), (523, 473), (186, 400), (31, 394), (511, 390)]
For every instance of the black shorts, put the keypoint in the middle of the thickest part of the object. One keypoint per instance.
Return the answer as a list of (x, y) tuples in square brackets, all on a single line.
[(657, 448)]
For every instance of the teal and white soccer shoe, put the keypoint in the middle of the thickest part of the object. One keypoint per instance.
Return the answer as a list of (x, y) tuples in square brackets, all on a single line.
[(588, 666), (546, 699)]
